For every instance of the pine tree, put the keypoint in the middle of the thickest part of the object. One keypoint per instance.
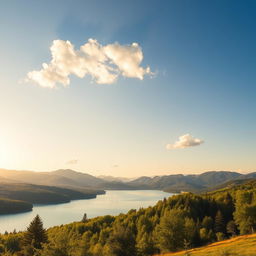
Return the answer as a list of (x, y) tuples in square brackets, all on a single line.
[(231, 228), (84, 219), (219, 225), (35, 234)]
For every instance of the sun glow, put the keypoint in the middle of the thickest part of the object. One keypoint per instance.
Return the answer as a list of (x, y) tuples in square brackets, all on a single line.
[(8, 153)]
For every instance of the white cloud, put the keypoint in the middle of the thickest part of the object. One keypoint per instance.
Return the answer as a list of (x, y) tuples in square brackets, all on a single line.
[(72, 161), (103, 63), (127, 59), (185, 141)]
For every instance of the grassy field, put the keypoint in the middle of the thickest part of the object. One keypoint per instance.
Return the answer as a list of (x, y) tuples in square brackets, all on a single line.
[(238, 246)]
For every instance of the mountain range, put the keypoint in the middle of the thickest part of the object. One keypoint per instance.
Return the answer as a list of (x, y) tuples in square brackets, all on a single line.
[(77, 180)]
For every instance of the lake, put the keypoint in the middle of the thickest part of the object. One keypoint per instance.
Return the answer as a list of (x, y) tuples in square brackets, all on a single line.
[(113, 203)]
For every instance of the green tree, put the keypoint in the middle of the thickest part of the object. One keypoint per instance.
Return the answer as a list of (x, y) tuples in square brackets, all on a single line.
[(62, 244), (245, 213), (219, 225), (231, 228), (121, 241), (35, 235), (84, 219), (206, 235), (145, 245), (191, 232), (170, 233), (220, 236), (207, 222), (12, 243)]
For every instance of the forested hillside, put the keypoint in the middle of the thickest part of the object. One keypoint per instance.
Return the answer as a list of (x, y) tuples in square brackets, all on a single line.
[(19, 197), (14, 206), (189, 183), (180, 222)]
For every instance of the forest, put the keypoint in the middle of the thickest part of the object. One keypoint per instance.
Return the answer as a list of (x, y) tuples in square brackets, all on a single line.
[(20, 197), (180, 222)]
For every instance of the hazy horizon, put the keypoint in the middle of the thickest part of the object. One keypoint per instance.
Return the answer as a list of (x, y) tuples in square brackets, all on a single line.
[(131, 177)]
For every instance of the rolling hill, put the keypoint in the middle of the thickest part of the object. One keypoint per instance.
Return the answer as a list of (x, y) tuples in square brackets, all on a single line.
[(180, 182), (8, 206), (56, 178), (77, 180), (237, 246), (19, 197)]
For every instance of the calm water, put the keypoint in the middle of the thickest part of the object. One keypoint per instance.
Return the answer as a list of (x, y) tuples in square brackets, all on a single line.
[(113, 203)]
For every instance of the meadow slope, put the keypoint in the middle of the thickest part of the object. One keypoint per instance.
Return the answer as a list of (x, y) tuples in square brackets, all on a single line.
[(238, 246)]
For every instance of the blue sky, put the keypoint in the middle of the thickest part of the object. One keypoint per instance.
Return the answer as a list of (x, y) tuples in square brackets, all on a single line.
[(203, 54)]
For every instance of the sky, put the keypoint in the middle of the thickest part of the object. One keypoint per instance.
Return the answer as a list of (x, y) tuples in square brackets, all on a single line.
[(128, 88)]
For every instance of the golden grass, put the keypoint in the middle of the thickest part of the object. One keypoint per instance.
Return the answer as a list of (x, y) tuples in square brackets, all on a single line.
[(238, 246)]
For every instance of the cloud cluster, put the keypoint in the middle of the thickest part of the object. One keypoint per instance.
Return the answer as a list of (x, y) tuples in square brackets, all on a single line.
[(103, 63), (185, 141)]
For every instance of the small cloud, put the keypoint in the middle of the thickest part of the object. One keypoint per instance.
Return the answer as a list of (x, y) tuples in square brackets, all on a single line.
[(185, 141), (73, 161), (115, 165), (103, 63)]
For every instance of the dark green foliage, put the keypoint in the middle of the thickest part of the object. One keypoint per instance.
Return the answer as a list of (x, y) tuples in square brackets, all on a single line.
[(231, 228), (145, 244), (192, 237), (84, 219), (220, 236), (121, 241), (28, 194), (8, 206), (219, 225), (208, 223), (62, 244), (245, 213), (170, 233), (35, 235), (12, 243)]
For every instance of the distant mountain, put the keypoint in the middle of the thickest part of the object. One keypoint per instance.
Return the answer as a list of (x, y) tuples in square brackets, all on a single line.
[(251, 175), (216, 177), (231, 184), (62, 178), (77, 180), (180, 182), (114, 179), (44, 178), (116, 185)]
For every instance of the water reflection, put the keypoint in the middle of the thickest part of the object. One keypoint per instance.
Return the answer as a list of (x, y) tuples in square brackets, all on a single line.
[(113, 203)]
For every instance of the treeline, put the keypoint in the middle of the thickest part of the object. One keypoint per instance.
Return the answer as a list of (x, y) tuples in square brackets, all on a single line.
[(19, 197), (14, 206), (179, 222)]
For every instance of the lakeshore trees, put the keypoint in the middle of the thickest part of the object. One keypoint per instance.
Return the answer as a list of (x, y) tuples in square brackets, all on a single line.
[(179, 222)]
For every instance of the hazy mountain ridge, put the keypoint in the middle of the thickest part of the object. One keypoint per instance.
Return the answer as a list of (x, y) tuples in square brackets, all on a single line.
[(115, 179), (192, 183), (77, 180)]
